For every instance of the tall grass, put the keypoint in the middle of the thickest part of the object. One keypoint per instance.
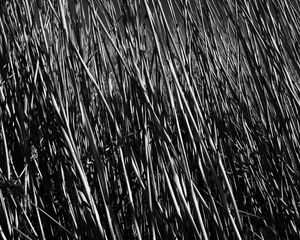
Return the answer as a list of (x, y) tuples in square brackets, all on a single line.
[(149, 119)]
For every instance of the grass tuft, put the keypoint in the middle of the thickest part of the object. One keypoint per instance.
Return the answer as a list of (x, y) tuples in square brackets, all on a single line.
[(149, 119)]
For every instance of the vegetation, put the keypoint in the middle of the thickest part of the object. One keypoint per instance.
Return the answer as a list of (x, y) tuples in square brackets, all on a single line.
[(149, 119)]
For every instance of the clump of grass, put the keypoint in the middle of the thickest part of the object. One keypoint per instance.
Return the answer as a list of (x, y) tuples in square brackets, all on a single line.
[(149, 120)]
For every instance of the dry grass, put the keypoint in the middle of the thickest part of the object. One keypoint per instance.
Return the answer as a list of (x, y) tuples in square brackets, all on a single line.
[(141, 121)]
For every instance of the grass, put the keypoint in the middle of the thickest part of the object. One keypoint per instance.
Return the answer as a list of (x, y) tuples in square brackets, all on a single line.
[(143, 120)]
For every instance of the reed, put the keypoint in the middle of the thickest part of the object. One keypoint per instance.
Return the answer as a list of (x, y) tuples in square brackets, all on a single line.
[(149, 119)]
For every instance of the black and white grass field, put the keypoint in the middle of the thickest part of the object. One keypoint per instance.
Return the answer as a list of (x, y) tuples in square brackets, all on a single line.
[(149, 119)]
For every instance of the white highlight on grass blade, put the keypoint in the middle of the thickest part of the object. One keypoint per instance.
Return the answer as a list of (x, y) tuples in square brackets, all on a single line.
[(99, 167), (84, 181), (91, 77), (62, 4), (6, 151), (2, 234), (7, 218), (2, 96)]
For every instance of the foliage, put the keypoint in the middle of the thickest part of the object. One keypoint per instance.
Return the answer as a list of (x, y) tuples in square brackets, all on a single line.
[(149, 119)]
